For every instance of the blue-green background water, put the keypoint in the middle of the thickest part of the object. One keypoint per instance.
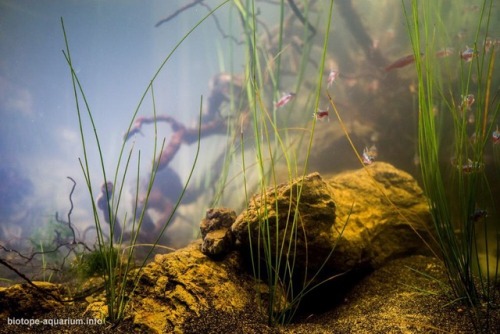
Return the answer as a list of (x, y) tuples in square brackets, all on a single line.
[(116, 49)]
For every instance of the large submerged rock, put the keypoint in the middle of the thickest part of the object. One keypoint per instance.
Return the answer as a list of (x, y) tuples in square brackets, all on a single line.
[(178, 291), (24, 301), (303, 206), (388, 215), (366, 216)]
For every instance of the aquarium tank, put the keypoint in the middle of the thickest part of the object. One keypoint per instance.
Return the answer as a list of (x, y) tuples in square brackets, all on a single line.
[(123, 122)]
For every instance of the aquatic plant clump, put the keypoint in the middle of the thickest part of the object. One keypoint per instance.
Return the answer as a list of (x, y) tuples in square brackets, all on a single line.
[(278, 156), (94, 263), (457, 115)]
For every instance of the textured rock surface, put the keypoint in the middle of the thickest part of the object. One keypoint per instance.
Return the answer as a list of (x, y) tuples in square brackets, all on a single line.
[(216, 231), (24, 301), (369, 215), (314, 221), (388, 210), (178, 287)]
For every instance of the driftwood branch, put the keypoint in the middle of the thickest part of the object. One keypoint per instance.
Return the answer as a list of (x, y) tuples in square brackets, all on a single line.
[(297, 12), (178, 11), (221, 85), (359, 33), (71, 209), (59, 243), (43, 292), (181, 135)]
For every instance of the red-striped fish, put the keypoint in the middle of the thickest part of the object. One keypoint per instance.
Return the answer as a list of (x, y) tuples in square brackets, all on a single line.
[(468, 54), (444, 52), (495, 136), (284, 100), (401, 62), (369, 155), (322, 114)]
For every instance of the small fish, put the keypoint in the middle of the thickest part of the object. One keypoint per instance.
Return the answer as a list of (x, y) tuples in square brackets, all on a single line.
[(472, 118), (461, 34), (443, 53), (468, 54), (473, 137), (488, 44), (369, 155), (471, 167), (467, 102), (401, 62), (495, 136), (416, 159), (471, 9), (322, 114), (478, 215), (285, 99), (331, 78)]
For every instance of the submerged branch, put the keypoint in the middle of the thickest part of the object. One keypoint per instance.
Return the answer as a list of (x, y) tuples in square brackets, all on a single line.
[(301, 17), (359, 32), (216, 20), (181, 134), (220, 86), (178, 11), (71, 208), (20, 274), (219, 27)]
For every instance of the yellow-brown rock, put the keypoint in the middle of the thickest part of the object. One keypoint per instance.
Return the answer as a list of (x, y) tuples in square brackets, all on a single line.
[(24, 301), (388, 214), (367, 216), (309, 226), (216, 231), (186, 284)]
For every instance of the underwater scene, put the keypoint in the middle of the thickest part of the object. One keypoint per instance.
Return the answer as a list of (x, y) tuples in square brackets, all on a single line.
[(250, 166)]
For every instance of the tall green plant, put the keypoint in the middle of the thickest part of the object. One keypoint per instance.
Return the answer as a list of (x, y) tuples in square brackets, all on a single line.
[(118, 270), (458, 193), (274, 259)]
